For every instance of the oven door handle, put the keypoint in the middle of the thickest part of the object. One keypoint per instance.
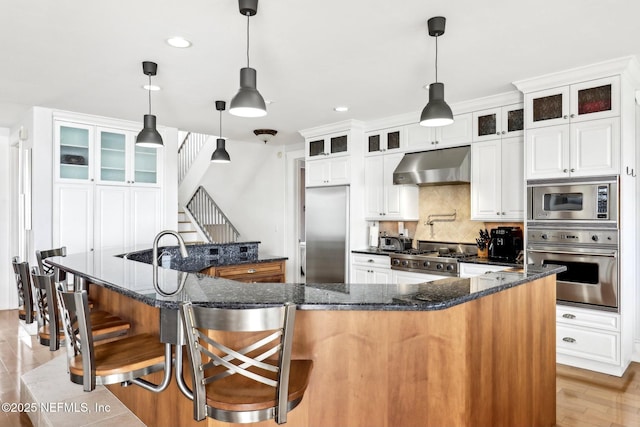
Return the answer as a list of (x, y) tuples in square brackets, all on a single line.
[(550, 251)]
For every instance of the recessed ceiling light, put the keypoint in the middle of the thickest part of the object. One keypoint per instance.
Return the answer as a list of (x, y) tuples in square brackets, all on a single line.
[(341, 109), (180, 42), (151, 87)]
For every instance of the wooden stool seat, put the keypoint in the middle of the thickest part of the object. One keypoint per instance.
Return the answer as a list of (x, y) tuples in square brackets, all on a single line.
[(239, 393), (104, 324), (22, 313), (241, 367), (121, 356)]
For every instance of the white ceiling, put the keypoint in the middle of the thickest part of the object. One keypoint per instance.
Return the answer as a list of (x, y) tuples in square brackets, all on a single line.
[(372, 55)]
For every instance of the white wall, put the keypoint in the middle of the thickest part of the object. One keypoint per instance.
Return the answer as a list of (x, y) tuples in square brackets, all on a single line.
[(250, 190), (8, 294)]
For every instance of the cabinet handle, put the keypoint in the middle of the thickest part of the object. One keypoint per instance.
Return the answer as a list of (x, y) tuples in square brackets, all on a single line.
[(503, 213), (498, 133), (91, 180), (503, 132), (572, 116), (251, 270), (568, 339), (565, 170), (632, 173), (370, 260), (497, 213), (569, 316), (573, 170), (565, 117)]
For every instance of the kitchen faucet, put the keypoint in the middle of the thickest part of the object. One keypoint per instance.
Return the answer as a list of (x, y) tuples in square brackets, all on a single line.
[(183, 248), (154, 262)]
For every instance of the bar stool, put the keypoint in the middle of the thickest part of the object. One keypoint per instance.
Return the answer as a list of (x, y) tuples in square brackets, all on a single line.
[(120, 361), (238, 382), (50, 331), (25, 294), (60, 276)]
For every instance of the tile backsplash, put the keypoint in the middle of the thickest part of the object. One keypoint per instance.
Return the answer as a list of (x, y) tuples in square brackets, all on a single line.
[(443, 201)]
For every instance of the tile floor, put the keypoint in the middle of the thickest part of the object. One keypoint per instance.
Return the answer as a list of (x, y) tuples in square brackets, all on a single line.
[(45, 381)]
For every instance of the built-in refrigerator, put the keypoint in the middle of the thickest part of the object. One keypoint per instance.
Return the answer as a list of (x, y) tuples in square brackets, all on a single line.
[(327, 234)]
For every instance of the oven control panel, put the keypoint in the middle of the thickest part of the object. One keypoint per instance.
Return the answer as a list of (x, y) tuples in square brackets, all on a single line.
[(585, 237)]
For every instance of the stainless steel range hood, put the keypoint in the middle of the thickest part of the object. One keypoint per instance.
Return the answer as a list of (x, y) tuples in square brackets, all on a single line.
[(445, 166)]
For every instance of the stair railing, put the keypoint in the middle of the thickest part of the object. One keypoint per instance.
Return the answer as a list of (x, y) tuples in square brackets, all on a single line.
[(188, 152), (210, 219)]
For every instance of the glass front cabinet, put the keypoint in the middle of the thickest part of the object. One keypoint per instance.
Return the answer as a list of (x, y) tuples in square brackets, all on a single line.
[(500, 122), (86, 153), (590, 100), (384, 140), (329, 145)]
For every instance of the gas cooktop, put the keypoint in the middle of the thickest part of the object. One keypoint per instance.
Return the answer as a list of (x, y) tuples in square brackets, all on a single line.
[(432, 257)]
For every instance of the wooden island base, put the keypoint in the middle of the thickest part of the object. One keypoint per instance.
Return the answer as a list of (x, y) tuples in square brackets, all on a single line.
[(487, 362)]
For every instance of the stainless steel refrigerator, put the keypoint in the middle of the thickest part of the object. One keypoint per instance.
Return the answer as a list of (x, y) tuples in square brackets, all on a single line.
[(327, 234)]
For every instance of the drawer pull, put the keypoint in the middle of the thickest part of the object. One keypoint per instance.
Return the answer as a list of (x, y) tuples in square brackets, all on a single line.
[(568, 339), (569, 316), (251, 270), (370, 260)]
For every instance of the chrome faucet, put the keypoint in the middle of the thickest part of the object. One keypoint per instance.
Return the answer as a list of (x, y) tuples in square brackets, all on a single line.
[(183, 248), (154, 262)]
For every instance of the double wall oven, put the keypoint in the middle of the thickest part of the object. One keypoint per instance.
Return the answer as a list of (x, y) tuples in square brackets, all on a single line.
[(574, 222)]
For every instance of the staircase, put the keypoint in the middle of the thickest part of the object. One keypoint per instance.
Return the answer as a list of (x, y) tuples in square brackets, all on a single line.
[(200, 219), (187, 230)]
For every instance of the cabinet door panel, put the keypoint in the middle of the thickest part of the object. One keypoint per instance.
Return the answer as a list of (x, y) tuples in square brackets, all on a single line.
[(420, 137), (392, 193), (459, 132), (487, 124), (595, 99), (486, 180), (380, 276), (74, 151), (339, 170), (547, 152), (73, 218), (111, 217), (547, 107), (512, 120), (359, 274), (594, 147), (146, 215), (112, 157), (512, 179), (315, 173), (374, 188)]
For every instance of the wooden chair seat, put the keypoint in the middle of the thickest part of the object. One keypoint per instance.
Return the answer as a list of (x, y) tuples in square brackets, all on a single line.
[(104, 324), (122, 356), (22, 313), (239, 393)]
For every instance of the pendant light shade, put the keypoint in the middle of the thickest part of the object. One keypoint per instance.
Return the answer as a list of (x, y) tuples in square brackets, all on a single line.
[(436, 112), (248, 102), (220, 155), (149, 135)]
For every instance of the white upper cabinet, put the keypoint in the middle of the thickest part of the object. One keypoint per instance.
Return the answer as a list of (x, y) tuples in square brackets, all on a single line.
[(336, 144), (499, 122), (381, 141), (421, 138), (385, 201), (328, 172), (73, 156), (121, 162), (497, 180), (589, 100), (587, 148)]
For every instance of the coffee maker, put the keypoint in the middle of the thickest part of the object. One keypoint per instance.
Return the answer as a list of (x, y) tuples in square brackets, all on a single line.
[(506, 244)]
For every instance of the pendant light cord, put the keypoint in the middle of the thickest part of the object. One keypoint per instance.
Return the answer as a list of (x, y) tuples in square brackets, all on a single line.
[(248, 15), (149, 90), (436, 59), (221, 124)]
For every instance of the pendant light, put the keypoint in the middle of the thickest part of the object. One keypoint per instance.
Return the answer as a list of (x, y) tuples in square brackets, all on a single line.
[(149, 135), (436, 112), (248, 102), (220, 155)]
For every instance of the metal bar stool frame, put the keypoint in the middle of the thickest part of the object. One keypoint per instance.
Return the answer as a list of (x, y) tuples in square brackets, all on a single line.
[(25, 291)]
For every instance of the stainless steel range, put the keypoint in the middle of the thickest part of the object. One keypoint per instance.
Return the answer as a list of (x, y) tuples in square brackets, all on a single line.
[(439, 258)]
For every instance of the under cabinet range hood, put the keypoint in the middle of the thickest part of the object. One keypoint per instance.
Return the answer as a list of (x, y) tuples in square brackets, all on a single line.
[(444, 166)]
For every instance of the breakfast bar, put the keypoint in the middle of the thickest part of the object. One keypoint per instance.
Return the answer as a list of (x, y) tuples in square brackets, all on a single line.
[(477, 351)]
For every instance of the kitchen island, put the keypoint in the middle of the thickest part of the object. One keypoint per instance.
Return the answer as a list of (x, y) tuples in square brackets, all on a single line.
[(477, 351)]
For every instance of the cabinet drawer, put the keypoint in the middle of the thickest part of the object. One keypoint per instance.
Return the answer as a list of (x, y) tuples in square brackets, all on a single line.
[(588, 344), (587, 318), (259, 272), (371, 260)]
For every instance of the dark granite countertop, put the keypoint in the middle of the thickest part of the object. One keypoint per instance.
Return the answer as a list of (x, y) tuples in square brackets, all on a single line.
[(472, 259), (135, 279)]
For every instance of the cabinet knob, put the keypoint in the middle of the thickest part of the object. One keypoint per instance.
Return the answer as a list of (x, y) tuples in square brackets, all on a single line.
[(91, 180), (569, 316), (503, 213), (503, 132), (565, 117), (498, 133), (370, 260), (572, 116), (437, 142), (565, 170), (573, 170), (569, 339), (497, 213)]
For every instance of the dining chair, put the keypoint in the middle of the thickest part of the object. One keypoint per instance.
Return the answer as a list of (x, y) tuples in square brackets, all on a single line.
[(123, 360), (26, 309), (50, 331), (248, 375)]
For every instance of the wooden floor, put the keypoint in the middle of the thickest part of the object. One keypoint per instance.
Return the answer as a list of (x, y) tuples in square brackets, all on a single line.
[(584, 398)]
